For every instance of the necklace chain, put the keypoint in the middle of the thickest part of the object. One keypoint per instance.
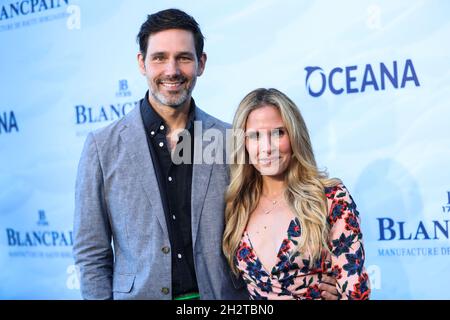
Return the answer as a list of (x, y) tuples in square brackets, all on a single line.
[(274, 203)]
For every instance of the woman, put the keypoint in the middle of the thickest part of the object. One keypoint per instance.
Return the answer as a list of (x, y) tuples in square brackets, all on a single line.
[(287, 224)]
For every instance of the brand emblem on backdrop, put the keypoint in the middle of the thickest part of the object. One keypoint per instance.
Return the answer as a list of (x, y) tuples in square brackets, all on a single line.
[(446, 207), (40, 237), (390, 229), (408, 231), (42, 218), (123, 89), (87, 115), (27, 7)]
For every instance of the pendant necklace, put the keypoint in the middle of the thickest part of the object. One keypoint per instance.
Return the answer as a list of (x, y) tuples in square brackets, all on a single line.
[(274, 203), (269, 210)]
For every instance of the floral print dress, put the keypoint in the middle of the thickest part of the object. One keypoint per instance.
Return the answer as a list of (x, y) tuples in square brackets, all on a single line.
[(292, 277)]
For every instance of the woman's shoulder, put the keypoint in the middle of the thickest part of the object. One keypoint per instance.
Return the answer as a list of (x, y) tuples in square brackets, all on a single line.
[(336, 190), (340, 201), (334, 187)]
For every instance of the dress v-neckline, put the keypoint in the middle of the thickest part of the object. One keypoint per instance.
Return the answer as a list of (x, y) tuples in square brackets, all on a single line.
[(263, 267)]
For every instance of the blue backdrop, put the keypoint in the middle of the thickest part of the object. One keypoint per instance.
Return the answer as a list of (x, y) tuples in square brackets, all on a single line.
[(371, 78)]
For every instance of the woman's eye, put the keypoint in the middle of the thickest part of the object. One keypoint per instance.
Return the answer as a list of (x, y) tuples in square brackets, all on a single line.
[(277, 133), (252, 135)]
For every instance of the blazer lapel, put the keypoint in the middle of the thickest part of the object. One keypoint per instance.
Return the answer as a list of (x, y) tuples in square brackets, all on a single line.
[(201, 172), (141, 164)]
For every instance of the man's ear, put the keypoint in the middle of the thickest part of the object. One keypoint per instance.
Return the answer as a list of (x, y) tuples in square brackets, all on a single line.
[(201, 64), (141, 63)]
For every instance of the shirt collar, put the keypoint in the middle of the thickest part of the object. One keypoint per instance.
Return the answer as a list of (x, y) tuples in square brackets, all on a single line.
[(153, 121)]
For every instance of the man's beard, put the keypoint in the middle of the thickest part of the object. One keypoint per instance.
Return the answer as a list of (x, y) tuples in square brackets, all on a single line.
[(172, 100)]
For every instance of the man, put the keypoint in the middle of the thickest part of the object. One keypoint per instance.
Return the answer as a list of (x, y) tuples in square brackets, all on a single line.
[(165, 220)]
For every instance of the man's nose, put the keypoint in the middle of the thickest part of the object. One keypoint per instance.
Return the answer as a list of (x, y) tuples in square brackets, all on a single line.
[(172, 67)]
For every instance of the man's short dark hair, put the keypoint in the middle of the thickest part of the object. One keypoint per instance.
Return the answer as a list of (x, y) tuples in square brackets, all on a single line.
[(170, 19)]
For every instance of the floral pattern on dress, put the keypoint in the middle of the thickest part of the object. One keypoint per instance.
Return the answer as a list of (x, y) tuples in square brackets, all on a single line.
[(293, 276)]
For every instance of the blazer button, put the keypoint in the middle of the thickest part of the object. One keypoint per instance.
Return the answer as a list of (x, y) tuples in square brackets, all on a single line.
[(165, 290), (165, 250)]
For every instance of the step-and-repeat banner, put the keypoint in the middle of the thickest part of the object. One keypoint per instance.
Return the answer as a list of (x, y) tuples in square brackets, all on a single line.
[(371, 78)]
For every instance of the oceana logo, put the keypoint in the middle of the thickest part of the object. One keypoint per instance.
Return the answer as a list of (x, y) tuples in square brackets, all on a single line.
[(8, 122), (351, 79)]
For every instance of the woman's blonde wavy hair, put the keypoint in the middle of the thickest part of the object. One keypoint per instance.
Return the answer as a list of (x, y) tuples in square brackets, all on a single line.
[(305, 183)]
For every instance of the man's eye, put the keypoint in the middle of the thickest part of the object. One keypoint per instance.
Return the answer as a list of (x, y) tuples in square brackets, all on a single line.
[(185, 59), (158, 58)]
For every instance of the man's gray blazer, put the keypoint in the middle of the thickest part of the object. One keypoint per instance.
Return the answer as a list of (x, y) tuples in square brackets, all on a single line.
[(117, 198)]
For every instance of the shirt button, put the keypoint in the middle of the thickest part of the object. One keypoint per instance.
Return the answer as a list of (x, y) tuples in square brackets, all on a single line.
[(161, 144), (173, 216), (179, 256), (161, 128), (165, 290), (152, 133), (166, 250), (170, 178)]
